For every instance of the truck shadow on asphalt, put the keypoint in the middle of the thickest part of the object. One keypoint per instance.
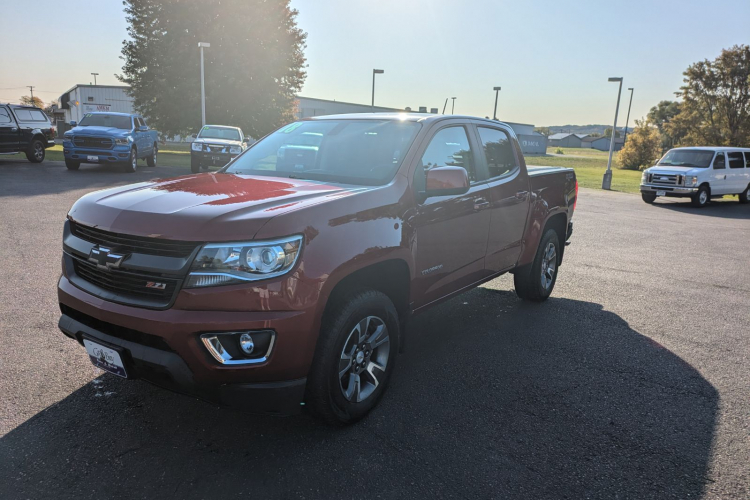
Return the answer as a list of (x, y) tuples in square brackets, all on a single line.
[(729, 209), (493, 398)]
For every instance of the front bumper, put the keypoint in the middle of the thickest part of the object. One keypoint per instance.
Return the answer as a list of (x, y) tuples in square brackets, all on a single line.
[(164, 347), (670, 190), (117, 154), (210, 159)]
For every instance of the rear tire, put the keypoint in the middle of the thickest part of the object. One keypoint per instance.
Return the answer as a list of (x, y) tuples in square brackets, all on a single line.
[(648, 196), (131, 166), (702, 197), (354, 358), (151, 160), (36, 151), (745, 196), (72, 165), (536, 281)]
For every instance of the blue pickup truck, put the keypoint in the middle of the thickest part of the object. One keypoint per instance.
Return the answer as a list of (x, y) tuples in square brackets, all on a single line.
[(114, 138)]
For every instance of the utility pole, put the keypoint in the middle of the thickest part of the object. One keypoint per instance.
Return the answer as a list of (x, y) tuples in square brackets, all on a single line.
[(31, 89), (453, 104), (446, 104), (628, 118), (203, 85), (497, 91), (607, 180)]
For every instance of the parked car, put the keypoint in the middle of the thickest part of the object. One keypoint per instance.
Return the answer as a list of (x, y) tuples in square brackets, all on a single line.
[(215, 146), (110, 138), (265, 287), (25, 129), (699, 174)]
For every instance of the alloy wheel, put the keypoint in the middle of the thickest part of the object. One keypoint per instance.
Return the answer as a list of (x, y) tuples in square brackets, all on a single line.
[(549, 265), (364, 359), (38, 151)]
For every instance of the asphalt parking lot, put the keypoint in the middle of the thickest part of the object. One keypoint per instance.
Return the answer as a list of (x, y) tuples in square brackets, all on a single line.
[(632, 381)]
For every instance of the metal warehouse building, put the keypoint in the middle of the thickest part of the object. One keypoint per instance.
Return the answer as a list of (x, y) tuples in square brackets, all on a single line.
[(83, 99)]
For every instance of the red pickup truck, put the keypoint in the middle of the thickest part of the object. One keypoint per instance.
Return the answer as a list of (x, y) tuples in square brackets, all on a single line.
[(287, 277)]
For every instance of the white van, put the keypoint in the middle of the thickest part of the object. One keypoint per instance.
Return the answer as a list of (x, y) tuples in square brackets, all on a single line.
[(700, 174)]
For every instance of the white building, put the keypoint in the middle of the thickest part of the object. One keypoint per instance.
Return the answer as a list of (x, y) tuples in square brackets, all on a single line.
[(83, 99)]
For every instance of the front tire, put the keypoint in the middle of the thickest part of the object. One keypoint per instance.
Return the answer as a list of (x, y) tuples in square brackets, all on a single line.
[(131, 166), (648, 196), (72, 164), (151, 160), (702, 197), (354, 358), (745, 196), (36, 152), (536, 281)]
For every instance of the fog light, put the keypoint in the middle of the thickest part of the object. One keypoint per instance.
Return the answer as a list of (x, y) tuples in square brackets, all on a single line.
[(246, 343)]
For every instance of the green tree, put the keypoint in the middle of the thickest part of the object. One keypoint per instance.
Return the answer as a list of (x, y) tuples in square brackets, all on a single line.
[(545, 131), (642, 148), (254, 67), (32, 101), (608, 132), (715, 108), (661, 117)]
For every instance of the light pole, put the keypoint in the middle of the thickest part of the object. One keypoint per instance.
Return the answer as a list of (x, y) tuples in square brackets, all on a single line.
[(627, 120), (445, 105), (607, 180), (95, 75), (497, 91), (203, 85), (453, 104), (374, 72)]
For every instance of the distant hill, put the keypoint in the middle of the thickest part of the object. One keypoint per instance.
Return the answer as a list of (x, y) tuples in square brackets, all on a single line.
[(584, 129)]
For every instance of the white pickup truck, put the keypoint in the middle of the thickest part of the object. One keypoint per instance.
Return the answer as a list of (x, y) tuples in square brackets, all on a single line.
[(699, 173)]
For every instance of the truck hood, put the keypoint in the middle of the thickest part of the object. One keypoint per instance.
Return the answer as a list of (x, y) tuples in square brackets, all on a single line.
[(108, 131), (202, 207)]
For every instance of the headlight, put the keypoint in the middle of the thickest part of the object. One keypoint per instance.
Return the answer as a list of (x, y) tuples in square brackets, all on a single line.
[(644, 177), (235, 150), (232, 263), (68, 138), (121, 141), (197, 146), (691, 180)]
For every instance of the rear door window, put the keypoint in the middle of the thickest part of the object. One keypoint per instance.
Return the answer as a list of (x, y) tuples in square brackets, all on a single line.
[(736, 160), (747, 158), (498, 150)]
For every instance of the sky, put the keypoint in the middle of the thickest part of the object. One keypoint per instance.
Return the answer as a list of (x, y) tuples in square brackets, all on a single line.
[(551, 58)]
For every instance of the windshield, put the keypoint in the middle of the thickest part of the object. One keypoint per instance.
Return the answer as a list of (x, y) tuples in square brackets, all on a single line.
[(226, 133), (104, 120), (695, 158), (349, 151)]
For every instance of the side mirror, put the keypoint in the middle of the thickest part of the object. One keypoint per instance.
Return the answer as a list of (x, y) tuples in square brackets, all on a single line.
[(444, 181), (73, 123), (143, 128), (246, 140), (195, 136)]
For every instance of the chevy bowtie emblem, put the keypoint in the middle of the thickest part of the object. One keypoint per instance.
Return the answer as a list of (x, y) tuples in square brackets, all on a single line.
[(105, 258)]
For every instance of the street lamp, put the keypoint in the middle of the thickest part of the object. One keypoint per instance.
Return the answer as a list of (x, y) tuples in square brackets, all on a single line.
[(203, 85), (607, 180), (95, 75), (497, 91), (374, 72), (453, 104), (627, 120)]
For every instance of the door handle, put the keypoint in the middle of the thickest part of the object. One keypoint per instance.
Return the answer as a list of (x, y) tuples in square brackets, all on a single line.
[(481, 204), (521, 195)]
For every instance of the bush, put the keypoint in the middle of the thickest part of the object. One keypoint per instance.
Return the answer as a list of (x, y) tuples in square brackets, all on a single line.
[(559, 151), (642, 148)]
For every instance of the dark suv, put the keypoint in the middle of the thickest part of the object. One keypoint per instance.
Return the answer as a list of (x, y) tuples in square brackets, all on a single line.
[(25, 129)]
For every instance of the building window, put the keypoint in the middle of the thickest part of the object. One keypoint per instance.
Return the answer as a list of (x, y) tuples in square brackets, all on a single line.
[(91, 99)]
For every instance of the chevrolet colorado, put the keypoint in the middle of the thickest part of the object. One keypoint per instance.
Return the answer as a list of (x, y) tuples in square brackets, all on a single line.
[(287, 279)]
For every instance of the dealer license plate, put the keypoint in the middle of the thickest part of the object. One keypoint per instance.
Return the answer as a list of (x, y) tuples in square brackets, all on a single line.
[(105, 358), (92, 159), (661, 193)]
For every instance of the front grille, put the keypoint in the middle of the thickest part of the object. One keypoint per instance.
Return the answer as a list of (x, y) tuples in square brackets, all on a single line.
[(125, 243), (115, 330), (666, 179), (128, 284), (216, 148), (93, 142)]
